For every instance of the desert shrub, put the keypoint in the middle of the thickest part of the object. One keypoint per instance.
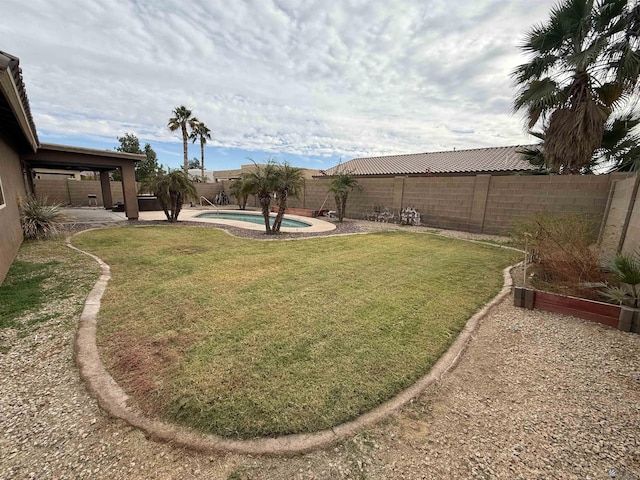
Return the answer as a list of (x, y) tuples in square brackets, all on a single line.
[(626, 270), (39, 218), (562, 250)]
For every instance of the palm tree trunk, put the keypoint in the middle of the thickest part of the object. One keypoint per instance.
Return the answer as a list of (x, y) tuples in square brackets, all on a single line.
[(185, 151), (343, 206), (202, 156), (179, 202), (265, 202), (166, 212), (174, 200), (282, 206)]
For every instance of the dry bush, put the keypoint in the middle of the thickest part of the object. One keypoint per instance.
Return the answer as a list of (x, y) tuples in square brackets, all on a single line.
[(39, 218), (562, 250)]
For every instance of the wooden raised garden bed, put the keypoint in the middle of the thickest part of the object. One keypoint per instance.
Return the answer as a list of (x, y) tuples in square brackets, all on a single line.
[(623, 318)]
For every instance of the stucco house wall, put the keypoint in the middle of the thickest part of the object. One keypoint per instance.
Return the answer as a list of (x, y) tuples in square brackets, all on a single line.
[(12, 188)]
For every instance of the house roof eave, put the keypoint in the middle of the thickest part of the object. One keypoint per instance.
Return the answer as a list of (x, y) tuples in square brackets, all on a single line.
[(12, 88)]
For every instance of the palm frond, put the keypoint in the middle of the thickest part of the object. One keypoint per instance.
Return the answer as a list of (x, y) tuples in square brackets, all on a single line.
[(627, 268), (539, 135), (620, 128), (609, 16), (537, 68), (181, 116), (537, 94), (583, 59), (535, 156), (626, 61)]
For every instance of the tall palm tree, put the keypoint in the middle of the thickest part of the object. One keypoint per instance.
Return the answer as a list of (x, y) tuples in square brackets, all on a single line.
[(289, 181), (262, 182), (172, 190), (341, 185), (181, 120), (200, 131), (584, 65), (619, 150)]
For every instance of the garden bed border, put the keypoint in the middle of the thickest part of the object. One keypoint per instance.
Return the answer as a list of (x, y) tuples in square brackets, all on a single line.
[(623, 318), (114, 400)]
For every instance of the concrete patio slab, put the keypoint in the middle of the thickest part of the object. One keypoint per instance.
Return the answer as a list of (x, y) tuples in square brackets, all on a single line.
[(93, 215)]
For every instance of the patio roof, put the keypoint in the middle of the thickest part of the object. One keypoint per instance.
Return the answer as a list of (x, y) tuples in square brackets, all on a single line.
[(51, 155)]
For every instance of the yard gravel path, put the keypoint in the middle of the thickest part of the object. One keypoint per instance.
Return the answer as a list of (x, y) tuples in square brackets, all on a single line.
[(536, 395)]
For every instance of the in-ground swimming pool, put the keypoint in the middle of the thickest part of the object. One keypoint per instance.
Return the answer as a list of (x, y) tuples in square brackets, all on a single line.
[(256, 218)]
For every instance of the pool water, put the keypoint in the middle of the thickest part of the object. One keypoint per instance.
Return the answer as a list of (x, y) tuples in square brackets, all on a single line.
[(253, 218)]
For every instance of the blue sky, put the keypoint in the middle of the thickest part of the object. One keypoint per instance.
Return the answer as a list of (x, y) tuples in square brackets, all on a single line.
[(307, 81)]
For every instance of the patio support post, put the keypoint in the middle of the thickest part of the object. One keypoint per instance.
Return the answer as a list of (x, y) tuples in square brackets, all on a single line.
[(28, 179), (129, 191), (105, 184)]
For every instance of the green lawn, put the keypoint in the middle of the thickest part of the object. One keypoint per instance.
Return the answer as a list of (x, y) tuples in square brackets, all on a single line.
[(244, 338), (46, 281)]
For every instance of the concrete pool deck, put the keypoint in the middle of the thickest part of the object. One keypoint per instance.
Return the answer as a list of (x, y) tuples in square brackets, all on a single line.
[(191, 214), (98, 216)]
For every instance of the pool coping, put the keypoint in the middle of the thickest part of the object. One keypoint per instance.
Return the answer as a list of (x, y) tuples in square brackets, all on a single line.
[(114, 400), (315, 225)]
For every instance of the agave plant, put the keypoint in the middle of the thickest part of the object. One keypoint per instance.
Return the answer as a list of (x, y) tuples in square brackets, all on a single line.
[(627, 269), (39, 218)]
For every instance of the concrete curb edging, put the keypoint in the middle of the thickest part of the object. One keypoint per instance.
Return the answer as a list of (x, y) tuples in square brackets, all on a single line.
[(113, 399)]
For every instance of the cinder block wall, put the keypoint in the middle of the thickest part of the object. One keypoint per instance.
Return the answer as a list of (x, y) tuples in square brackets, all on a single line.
[(117, 195), (75, 192), (511, 198), (55, 191), (631, 243), (375, 192), (315, 195), (481, 203), (80, 189), (443, 202), (621, 195), (210, 190)]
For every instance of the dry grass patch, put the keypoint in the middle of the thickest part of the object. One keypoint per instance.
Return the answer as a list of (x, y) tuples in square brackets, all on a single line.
[(244, 338)]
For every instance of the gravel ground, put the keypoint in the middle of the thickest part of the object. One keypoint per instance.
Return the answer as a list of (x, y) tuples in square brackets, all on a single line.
[(536, 395)]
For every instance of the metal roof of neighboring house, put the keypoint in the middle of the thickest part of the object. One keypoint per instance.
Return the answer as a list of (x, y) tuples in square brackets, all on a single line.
[(479, 160), (15, 112)]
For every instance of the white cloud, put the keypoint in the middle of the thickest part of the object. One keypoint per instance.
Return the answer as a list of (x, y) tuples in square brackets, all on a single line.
[(334, 77)]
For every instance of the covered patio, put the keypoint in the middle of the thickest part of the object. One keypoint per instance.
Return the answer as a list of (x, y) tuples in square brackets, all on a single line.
[(52, 156)]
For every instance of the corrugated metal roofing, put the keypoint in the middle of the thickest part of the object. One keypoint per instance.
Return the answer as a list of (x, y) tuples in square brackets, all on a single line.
[(496, 159)]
